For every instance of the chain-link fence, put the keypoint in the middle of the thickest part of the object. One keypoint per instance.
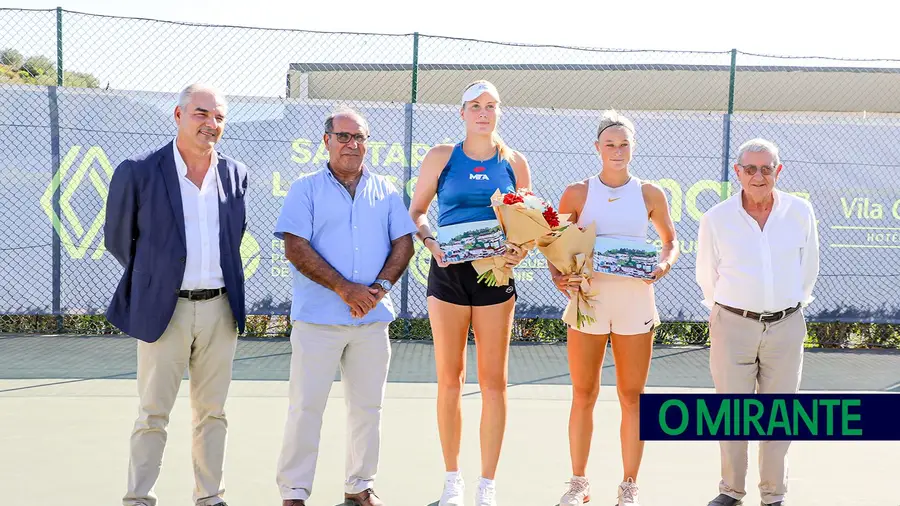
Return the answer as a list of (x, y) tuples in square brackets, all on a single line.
[(82, 92)]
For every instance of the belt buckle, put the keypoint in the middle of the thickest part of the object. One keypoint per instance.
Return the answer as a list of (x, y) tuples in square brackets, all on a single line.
[(764, 315)]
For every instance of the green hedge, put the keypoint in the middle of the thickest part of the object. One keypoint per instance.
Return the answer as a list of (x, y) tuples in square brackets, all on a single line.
[(539, 330)]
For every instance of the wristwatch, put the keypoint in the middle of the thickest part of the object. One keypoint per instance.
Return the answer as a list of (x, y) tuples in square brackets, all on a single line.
[(385, 284)]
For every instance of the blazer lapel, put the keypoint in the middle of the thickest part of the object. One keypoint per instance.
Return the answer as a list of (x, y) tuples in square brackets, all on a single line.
[(173, 187), (226, 190)]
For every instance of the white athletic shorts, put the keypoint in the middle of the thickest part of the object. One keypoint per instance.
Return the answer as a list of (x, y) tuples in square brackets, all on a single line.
[(623, 306)]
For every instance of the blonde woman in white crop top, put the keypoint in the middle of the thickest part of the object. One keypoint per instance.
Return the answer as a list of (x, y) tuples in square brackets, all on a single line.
[(622, 206)]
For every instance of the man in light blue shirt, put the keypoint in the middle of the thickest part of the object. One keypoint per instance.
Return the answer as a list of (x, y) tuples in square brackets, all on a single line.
[(348, 236)]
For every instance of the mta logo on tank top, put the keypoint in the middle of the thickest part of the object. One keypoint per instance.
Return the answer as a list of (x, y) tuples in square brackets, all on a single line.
[(478, 174)]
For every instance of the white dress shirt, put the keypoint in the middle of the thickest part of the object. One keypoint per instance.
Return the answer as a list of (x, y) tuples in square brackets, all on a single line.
[(766, 270), (203, 268)]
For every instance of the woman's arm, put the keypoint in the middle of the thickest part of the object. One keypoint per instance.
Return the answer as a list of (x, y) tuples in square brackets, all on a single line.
[(522, 171), (426, 189), (658, 207), (571, 203)]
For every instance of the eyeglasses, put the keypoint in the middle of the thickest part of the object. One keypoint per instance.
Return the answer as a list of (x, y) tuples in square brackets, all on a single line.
[(344, 137), (751, 170)]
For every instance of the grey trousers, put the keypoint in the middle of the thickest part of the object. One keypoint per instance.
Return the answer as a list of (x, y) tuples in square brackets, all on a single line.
[(747, 356)]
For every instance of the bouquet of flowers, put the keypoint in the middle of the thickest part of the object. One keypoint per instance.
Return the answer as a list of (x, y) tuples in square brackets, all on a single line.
[(524, 217), (571, 249)]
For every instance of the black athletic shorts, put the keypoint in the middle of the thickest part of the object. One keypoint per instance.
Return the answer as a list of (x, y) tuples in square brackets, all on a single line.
[(458, 284)]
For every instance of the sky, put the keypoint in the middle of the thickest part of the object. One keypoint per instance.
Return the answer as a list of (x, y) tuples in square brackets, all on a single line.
[(127, 55), (859, 29)]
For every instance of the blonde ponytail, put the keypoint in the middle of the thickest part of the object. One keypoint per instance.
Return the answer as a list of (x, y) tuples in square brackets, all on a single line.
[(503, 151)]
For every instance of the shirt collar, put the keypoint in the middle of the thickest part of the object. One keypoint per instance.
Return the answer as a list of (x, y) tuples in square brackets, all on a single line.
[(739, 202), (363, 178), (181, 165)]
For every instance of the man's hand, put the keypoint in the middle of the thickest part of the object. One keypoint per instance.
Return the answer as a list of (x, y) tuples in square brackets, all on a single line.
[(360, 298), (382, 293)]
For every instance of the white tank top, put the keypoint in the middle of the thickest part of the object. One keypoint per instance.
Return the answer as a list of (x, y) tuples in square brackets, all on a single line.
[(618, 212)]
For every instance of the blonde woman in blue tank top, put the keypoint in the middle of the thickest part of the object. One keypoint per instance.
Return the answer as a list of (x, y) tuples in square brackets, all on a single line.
[(622, 206), (463, 177)]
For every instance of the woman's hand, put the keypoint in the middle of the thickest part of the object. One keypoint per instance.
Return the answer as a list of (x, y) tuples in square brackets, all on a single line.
[(514, 255), (567, 283), (435, 248), (661, 270)]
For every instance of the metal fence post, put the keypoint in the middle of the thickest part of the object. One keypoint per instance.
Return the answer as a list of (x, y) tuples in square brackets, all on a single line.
[(408, 140), (55, 153), (59, 48), (726, 130)]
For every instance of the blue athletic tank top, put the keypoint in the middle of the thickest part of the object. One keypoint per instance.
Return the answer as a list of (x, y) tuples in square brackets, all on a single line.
[(465, 187)]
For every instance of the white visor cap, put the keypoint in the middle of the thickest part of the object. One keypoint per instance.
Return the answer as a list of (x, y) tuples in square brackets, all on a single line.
[(475, 91)]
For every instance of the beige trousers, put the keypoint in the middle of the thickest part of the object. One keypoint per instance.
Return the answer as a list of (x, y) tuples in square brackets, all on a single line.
[(363, 353), (747, 356), (201, 337)]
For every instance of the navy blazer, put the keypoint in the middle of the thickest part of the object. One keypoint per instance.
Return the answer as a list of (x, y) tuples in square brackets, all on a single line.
[(144, 231)]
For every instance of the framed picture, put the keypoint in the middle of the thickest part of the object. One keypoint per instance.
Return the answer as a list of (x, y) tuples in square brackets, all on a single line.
[(623, 257), (465, 242)]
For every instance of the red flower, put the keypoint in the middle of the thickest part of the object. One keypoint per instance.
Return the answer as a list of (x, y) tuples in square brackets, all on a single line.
[(551, 217), (512, 198)]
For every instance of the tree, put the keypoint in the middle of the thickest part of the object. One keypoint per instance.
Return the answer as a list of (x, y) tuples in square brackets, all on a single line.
[(39, 70), (38, 65), (80, 80), (11, 58)]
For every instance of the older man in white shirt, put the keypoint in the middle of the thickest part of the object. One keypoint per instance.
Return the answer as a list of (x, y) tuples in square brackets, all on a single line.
[(757, 263)]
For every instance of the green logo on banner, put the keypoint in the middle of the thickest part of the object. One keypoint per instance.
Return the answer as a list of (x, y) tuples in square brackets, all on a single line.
[(95, 167), (72, 234), (249, 255)]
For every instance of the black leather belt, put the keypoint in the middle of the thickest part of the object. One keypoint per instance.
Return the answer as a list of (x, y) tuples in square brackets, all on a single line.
[(762, 317), (204, 294)]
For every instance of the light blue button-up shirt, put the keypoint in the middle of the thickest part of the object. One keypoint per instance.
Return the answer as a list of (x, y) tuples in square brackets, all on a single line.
[(353, 235)]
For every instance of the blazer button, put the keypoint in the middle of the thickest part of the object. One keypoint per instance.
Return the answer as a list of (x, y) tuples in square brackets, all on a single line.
[(183, 259)]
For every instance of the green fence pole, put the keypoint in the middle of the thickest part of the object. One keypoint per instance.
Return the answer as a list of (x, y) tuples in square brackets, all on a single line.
[(415, 68), (726, 141), (59, 48), (55, 152), (404, 288)]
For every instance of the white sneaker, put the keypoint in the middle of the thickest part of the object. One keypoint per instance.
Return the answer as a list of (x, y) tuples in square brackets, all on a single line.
[(628, 493), (486, 494), (578, 494), (454, 488)]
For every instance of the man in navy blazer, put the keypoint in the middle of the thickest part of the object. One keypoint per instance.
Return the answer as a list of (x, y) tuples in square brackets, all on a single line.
[(175, 218)]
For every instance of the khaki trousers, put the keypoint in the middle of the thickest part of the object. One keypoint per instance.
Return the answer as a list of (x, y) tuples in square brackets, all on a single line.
[(747, 356), (201, 337), (363, 353)]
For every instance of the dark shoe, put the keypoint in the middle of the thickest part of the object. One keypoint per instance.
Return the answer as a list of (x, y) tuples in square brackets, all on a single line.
[(293, 502), (778, 503), (365, 498), (220, 504), (725, 500)]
